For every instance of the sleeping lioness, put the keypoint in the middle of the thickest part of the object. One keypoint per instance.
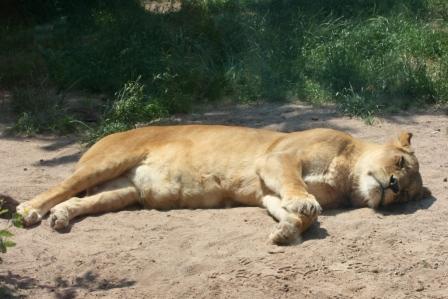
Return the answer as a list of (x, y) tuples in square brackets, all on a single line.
[(292, 175)]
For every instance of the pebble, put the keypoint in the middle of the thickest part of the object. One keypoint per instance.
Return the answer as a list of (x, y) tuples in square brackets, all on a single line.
[(274, 251), (78, 263), (420, 287)]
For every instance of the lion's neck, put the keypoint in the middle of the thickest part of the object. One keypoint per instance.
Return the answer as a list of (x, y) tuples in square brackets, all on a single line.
[(358, 196)]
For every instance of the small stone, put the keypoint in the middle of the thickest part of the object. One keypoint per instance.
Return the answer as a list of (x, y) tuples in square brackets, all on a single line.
[(78, 263), (420, 287), (25, 169), (445, 179), (275, 251)]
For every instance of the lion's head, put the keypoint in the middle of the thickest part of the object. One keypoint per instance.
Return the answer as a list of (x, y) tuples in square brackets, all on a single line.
[(388, 174)]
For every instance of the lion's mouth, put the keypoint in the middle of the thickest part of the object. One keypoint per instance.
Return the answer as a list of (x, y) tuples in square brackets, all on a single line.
[(392, 184)]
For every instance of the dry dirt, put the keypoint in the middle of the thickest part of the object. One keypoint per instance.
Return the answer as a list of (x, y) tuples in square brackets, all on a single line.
[(397, 253)]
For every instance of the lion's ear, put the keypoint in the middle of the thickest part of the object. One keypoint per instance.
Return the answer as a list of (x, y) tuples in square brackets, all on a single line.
[(404, 139), (404, 142)]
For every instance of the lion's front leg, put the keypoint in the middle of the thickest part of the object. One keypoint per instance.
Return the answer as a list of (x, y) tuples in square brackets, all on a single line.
[(282, 174), (290, 225)]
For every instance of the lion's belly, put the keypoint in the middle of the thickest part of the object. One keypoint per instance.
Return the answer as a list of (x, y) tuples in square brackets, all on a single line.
[(162, 187)]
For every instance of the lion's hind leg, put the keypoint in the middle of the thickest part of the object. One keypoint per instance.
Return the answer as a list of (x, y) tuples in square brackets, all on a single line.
[(290, 225), (111, 196), (87, 175)]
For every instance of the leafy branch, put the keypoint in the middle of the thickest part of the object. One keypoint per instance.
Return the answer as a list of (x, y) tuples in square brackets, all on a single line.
[(14, 219)]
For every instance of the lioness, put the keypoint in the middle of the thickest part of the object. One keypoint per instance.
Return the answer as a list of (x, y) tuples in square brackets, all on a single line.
[(292, 175)]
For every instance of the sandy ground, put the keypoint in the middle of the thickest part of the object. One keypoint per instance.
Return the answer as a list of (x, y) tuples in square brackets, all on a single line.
[(398, 253)]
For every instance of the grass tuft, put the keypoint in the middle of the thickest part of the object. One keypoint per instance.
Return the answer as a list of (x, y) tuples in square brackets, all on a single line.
[(130, 107)]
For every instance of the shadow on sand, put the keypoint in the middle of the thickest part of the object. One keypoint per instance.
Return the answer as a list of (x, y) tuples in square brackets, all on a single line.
[(317, 232), (11, 284)]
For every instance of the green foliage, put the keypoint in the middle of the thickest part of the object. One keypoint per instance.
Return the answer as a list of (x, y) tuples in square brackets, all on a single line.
[(17, 220), (41, 110), (5, 234), (366, 56), (130, 107), (360, 105), (4, 241), (380, 57)]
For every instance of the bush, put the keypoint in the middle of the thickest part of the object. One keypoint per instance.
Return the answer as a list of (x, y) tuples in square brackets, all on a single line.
[(374, 55), (130, 107), (40, 109)]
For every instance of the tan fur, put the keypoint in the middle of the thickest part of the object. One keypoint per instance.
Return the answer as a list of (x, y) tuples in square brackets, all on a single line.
[(291, 174)]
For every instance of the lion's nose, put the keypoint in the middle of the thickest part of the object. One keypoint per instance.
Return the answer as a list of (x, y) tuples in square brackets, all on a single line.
[(393, 184)]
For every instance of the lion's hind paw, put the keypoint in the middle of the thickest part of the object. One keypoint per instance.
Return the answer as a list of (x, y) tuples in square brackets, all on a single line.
[(29, 214), (59, 218)]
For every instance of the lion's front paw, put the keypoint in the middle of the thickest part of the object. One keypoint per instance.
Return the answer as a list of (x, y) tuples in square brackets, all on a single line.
[(59, 218), (285, 233), (29, 214), (306, 205)]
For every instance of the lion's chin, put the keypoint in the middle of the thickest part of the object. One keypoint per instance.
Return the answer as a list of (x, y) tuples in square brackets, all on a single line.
[(370, 191), (374, 202)]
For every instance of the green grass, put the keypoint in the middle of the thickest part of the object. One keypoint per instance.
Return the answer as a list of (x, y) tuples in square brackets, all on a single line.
[(130, 107), (368, 57), (40, 109), (14, 219)]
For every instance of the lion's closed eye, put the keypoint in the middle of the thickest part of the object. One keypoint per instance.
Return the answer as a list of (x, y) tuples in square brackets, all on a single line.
[(400, 162)]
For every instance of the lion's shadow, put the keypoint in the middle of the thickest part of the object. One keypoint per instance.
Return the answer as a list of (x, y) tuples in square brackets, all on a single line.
[(318, 232), (315, 232), (409, 207), (11, 285)]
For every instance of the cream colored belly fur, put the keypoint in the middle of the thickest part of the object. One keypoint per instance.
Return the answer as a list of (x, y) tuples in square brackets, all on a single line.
[(176, 182)]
